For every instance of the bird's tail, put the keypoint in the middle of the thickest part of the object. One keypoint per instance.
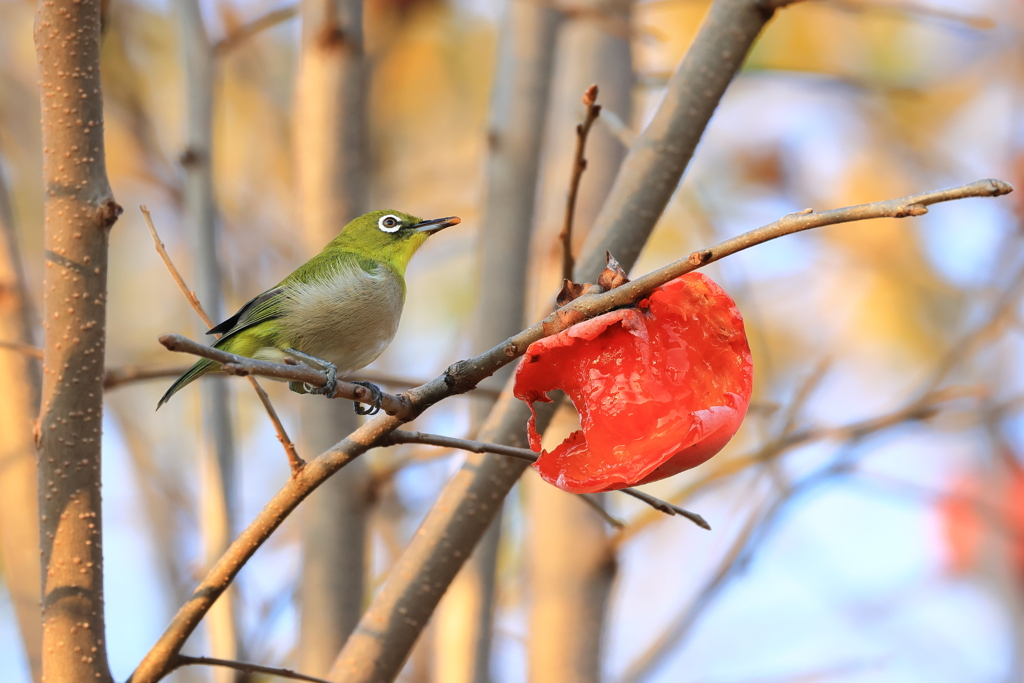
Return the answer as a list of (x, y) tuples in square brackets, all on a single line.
[(202, 367)]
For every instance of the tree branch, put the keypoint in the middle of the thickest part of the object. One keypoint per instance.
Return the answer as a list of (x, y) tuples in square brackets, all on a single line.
[(579, 165), (185, 660), (400, 436), (116, 377), (294, 461), (24, 349), (300, 372), (251, 28), (459, 378)]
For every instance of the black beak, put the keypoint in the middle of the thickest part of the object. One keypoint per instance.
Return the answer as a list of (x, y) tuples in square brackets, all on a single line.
[(436, 225)]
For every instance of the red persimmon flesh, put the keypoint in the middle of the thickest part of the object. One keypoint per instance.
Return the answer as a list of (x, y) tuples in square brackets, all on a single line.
[(660, 387)]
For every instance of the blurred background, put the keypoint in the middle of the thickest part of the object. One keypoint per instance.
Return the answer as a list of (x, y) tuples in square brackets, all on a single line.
[(868, 518)]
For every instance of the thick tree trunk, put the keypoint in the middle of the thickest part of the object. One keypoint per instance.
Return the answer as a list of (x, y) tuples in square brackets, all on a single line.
[(217, 455), (571, 567), (79, 213), (330, 162), (518, 105), (20, 384)]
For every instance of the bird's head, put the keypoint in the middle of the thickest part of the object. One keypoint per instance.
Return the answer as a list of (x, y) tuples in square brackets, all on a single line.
[(390, 236)]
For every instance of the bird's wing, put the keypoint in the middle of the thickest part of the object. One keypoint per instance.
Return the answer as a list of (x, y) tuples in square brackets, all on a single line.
[(266, 306)]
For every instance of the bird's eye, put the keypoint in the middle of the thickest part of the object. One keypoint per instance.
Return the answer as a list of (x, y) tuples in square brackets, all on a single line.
[(389, 223)]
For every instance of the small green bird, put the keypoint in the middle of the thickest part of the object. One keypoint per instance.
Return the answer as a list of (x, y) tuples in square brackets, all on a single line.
[(339, 310)]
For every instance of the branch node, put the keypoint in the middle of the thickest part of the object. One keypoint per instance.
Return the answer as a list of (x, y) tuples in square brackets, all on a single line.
[(107, 213), (699, 258), (910, 210), (457, 378), (234, 369)]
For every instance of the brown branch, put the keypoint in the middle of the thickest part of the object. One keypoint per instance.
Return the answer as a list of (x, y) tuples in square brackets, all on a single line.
[(579, 165), (242, 366), (251, 28), (116, 377), (402, 437), (161, 249), (387, 379), (461, 377), (126, 374), (185, 660), (294, 461), (913, 205), (25, 349), (598, 508)]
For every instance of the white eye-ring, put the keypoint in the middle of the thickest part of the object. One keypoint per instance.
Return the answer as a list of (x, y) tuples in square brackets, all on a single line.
[(389, 223)]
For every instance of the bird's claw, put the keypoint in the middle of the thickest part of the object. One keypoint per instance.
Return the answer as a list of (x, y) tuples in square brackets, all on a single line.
[(331, 373), (374, 407)]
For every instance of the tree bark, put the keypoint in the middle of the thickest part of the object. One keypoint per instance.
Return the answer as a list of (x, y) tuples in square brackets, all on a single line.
[(78, 213), (217, 475), (330, 161), (518, 105), (571, 566), (386, 633), (20, 384)]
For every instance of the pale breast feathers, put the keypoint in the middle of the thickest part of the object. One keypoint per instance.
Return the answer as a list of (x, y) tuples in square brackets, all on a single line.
[(347, 316)]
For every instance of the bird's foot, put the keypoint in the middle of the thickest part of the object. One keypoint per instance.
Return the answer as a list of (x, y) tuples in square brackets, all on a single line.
[(330, 372), (327, 389), (374, 407)]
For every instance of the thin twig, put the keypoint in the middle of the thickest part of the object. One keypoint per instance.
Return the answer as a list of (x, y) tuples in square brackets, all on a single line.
[(579, 165), (400, 436), (249, 29), (596, 506), (185, 660), (464, 375), (161, 249), (294, 461), (233, 364), (26, 349), (116, 377)]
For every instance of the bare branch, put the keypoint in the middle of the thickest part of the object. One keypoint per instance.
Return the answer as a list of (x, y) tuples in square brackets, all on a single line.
[(185, 660), (300, 372), (161, 249), (579, 165), (25, 349), (294, 461), (116, 377), (459, 378), (249, 29), (913, 205), (400, 436)]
